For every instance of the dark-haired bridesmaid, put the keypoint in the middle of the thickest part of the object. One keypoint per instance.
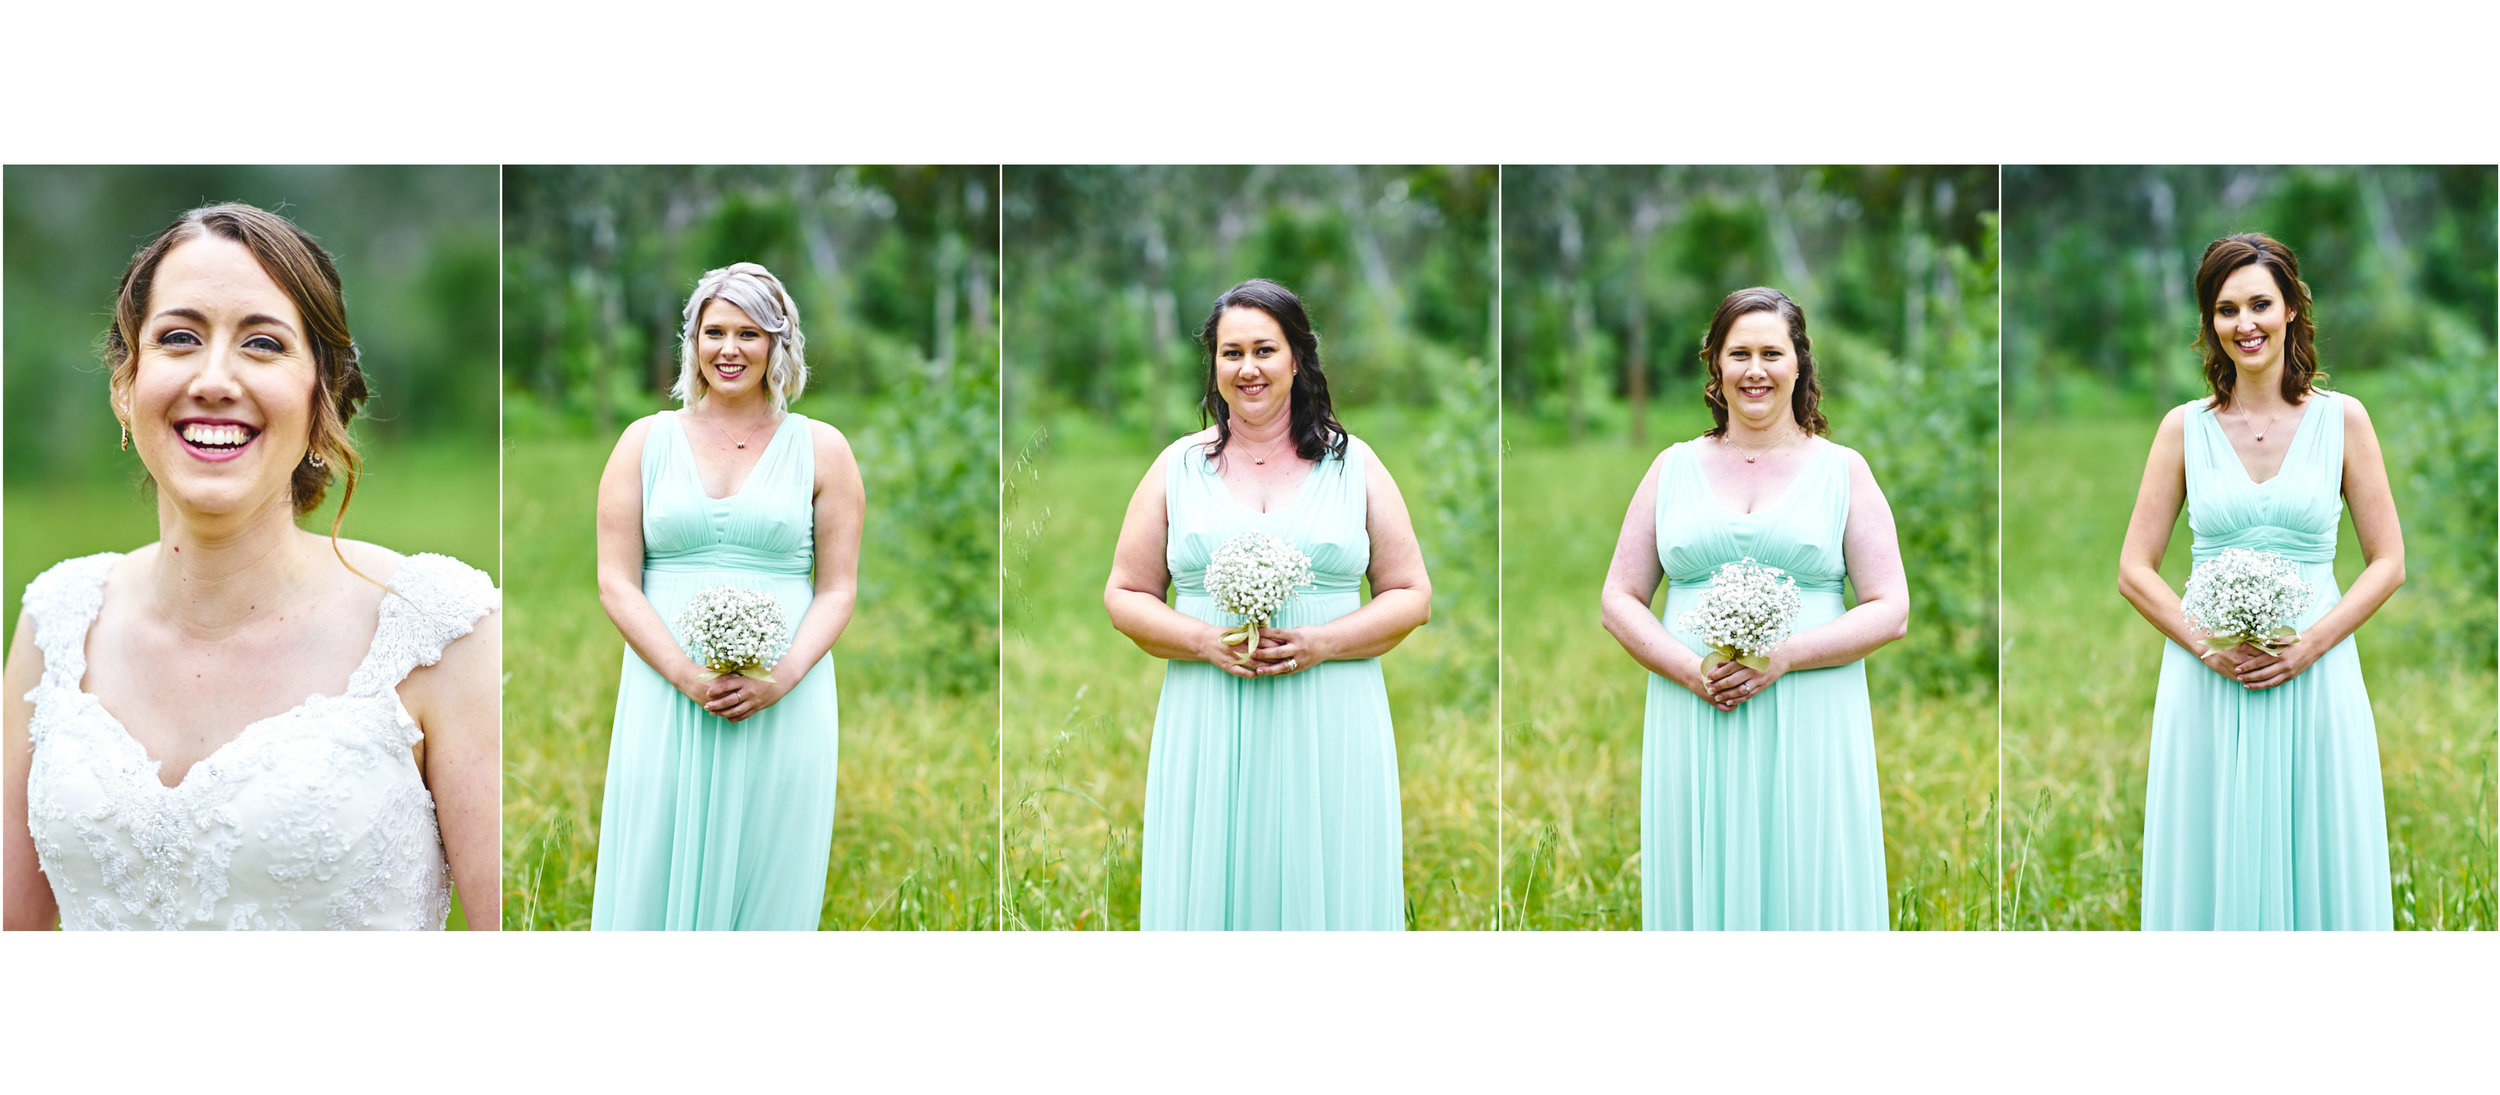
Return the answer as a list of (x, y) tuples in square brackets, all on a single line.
[(1272, 780)]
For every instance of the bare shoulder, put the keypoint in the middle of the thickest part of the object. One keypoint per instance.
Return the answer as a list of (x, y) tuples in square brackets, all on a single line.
[(373, 559), (641, 427), (2174, 424), (1855, 460), (1200, 438), (1171, 452), (1355, 446), (827, 438), (630, 441), (2356, 416)]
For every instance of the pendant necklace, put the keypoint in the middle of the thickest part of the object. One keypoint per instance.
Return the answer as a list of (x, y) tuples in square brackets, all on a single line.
[(1750, 456)]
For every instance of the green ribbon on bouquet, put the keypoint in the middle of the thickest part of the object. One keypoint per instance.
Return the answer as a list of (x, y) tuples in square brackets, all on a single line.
[(1750, 661), (2271, 640)]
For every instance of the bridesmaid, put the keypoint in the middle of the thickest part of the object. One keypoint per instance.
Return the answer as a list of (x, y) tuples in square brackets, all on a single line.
[(2263, 808), (719, 803), (1758, 795), (1272, 781)]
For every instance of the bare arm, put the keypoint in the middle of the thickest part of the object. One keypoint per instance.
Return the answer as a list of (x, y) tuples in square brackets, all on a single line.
[(29, 904), (2157, 502), (1871, 548), (1632, 582), (1401, 592), (841, 512), (1134, 594), (2373, 506), (620, 569), (458, 703)]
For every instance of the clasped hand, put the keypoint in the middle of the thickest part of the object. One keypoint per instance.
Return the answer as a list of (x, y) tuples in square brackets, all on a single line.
[(1726, 685), (1276, 652), (735, 696), (2253, 668)]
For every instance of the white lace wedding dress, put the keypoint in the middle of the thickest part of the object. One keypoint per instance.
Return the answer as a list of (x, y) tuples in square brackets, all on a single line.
[(314, 818)]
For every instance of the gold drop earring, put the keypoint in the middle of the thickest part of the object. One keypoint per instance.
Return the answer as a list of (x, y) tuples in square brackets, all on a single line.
[(124, 418)]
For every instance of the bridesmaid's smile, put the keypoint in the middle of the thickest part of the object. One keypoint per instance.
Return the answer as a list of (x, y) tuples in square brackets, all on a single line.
[(730, 344), (1259, 366), (2249, 316), (1757, 367)]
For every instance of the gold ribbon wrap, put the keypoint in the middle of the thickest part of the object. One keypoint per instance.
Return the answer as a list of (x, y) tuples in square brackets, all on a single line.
[(1760, 661)]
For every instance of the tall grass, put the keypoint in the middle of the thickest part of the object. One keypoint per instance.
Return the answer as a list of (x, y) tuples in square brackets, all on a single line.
[(1572, 701), (1081, 697), (2080, 667), (915, 822)]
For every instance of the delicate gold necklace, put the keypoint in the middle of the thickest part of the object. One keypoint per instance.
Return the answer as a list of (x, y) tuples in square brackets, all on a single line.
[(723, 429), (1751, 456), (1278, 449), (2261, 430)]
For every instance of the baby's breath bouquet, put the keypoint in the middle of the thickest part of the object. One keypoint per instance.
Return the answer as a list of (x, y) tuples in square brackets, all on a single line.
[(1252, 576), (1747, 610), (2245, 596), (735, 630)]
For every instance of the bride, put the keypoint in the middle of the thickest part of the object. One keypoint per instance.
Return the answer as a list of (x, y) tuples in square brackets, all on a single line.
[(245, 724)]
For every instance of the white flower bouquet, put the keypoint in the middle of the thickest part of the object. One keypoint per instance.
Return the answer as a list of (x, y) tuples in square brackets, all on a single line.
[(733, 630), (1252, 576), (1747, 610), (2245, 596)]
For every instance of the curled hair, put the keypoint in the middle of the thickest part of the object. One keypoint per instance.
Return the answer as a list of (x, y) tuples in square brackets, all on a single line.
[(1313, 417), (304, 272), (2227, 255), (1805, 397), (754, 290)]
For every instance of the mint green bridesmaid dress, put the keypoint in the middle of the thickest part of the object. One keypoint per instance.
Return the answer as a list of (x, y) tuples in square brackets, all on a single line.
[(2263, 808), (1765, 817), (712, 824), (1272, 803)]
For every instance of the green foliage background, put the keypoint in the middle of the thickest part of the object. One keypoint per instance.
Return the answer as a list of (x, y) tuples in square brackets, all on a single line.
[(894, 271), (1109, 273), (1610, 276), (2101, 322)]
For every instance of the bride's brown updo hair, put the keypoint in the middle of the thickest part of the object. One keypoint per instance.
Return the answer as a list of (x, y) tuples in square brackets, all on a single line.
[(310, 280)]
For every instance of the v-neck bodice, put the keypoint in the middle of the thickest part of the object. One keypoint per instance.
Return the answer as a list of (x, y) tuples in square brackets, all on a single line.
[(2292, 514), (767, 525), (1800, 531), (1326, 519)]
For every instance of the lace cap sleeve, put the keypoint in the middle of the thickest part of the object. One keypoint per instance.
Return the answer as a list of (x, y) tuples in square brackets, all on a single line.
[(434, 599), (63, 602)]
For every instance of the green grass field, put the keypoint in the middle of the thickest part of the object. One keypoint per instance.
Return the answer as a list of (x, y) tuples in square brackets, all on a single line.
[(915, 821), (2080, 666), (1081, 703), (1571, 735)]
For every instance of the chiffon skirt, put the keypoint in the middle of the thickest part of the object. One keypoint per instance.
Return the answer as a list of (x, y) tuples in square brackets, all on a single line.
[(1273, 803), (1765, 817), (712, 824), (2263, 808)]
